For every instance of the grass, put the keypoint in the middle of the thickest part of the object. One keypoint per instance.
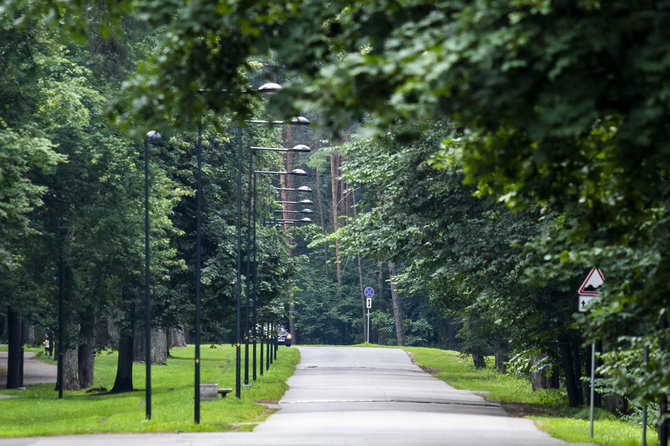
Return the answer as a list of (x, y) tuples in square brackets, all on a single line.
[(37, 410), (547, 407)]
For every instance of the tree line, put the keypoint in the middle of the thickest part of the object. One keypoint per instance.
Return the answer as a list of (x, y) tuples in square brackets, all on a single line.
[(72, 207)]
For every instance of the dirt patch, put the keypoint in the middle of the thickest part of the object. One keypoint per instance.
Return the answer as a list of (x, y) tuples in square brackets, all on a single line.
[(520, 410), (429, 370), (268, 401)]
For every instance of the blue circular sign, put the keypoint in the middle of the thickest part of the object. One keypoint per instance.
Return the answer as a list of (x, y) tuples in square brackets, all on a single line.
[(369, 292)]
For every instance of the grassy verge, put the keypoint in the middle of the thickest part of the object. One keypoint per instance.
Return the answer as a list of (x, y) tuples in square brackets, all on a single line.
[(38, 411), (547, 407)]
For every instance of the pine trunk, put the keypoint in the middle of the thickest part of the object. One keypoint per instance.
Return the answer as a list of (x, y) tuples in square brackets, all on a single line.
[(323, 225), (334, 168), (380, 296), (397, 310)]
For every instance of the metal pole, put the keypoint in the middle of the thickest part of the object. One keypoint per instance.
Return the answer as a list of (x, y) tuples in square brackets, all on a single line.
[(248, 275), (663, 406), (262, 345), (147, 295), (21, 357), (267, 348), (197, 274), (238, 391), (367, 340), (254, 277), (59, 373), (593, 373), (644, 409)]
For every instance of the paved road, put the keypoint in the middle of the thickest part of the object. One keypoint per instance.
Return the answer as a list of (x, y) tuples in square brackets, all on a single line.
[(34, 372), (355, 396)]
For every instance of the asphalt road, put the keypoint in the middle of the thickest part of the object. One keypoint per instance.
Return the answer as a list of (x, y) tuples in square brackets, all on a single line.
[(34, 372), (354, 396)]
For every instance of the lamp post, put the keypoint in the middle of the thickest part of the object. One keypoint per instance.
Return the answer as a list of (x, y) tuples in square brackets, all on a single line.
[(265, 89), (252, 175), (197, 273), (154, 138)]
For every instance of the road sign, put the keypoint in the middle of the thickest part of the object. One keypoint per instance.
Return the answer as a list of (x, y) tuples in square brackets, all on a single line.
[(588, 291), (585, 302), (369, 292), (368, 302), (592, 282)]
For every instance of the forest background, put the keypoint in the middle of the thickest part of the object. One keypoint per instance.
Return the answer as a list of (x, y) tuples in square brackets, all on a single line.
[(498, 151)]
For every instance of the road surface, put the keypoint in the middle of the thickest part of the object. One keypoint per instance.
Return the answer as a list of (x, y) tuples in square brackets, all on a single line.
[(34, 372), (354, 396)]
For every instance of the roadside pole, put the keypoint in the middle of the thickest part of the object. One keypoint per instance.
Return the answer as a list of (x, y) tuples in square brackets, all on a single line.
[(588, 294), (369, 292)]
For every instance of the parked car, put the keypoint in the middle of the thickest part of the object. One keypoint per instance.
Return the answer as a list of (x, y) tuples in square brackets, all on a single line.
[(284, 337)]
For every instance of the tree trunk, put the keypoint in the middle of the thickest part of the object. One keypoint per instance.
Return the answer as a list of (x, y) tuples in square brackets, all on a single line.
[(86, 352), (176, 337), (360, 278), (538, 378), (478, 360), (158, 346), (577, 363), (397, 310), (30, 337), (124, 366), (323, 225), (70, 369), (15, 350), (568, 370), (291, 323), (500, 358), (380, 296), (335, 196)]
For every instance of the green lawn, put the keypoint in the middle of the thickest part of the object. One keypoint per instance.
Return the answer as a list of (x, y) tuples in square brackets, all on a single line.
[(38, 411), (548, 408)]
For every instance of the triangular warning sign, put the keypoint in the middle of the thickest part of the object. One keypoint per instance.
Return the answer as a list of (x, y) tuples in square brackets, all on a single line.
[(593, 281)]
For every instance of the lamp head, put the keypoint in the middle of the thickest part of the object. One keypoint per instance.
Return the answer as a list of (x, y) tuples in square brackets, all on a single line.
[(269, 88), (154, 137), (301, 148), (299, 120)]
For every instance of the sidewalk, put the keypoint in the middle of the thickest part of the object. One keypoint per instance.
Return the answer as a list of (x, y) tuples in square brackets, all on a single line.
[(34, 372)]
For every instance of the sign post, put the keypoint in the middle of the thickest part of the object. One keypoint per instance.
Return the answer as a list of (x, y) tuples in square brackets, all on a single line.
[(369, 292), (588, 293)]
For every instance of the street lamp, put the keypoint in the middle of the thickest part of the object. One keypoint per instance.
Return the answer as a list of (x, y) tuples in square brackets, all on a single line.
[(305, 202), (297, 172), (265, 89), (297, 148), (152, 137)]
